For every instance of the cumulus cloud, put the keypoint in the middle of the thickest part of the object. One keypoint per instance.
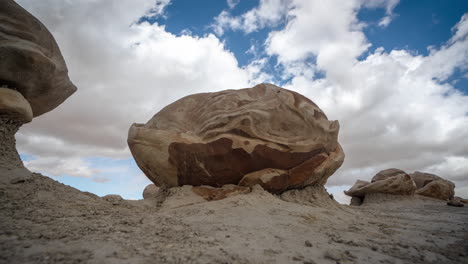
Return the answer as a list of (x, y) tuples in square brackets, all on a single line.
[(125, 72), (394, 107), (268, 13)]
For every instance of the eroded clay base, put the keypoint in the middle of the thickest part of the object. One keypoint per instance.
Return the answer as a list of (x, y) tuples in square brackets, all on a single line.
[(9, 157)]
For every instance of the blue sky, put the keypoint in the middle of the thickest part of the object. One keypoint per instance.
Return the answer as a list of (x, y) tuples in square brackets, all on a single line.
[(394, 73)]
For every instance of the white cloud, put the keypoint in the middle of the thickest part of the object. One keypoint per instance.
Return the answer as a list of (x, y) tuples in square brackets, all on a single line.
[(125, 72), (393, 108), (232, 3), (389, 5), (268, 13), (58, 167)]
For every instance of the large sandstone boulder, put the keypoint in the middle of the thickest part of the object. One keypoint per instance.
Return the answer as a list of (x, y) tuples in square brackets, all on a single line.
[(33, 77), (263, 135)]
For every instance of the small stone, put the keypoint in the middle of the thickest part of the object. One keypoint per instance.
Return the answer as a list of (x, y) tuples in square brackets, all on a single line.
[(455, 203), (308, 243)]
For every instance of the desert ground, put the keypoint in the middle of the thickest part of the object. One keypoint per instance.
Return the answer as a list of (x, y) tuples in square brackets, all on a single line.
[(43, 221)]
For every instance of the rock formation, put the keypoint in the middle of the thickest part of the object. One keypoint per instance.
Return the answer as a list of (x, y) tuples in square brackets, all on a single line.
[(33, 76), (396, 181), (150, 191), (433, 186), (263, 135)]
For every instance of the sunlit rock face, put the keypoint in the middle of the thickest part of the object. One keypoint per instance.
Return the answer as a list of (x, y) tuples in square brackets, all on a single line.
[(263, 135)]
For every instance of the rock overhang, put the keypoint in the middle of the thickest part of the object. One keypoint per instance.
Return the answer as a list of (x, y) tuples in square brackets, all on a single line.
[(31, 62)]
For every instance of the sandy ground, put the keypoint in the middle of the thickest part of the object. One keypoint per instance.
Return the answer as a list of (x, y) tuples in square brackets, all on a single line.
[(43, 221)]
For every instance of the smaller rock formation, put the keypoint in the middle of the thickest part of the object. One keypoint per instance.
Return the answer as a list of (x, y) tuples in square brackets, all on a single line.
[(397, 182), (433, 186), (391, 181), (423, 178), (388, 173), (150, 191)]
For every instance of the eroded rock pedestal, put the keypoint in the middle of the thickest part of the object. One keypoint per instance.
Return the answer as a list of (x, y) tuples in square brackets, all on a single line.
[(9, 157), (263, 135)]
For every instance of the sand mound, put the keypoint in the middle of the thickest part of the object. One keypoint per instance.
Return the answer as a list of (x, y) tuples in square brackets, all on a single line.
[(42, 221)]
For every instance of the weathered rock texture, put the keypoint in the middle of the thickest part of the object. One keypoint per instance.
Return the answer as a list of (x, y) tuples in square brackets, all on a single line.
[(400, 183), (33, 76), (388, 173), (422, 179), (433, 186), (263, 135), (439, 189), (396, 181), (150, 191), (31, 62)]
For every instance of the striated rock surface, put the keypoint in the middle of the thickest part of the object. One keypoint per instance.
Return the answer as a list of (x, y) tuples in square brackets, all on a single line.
[(439, 189), (263, 135), (399, 184), (388, 173), (31, 62), (422, 178)]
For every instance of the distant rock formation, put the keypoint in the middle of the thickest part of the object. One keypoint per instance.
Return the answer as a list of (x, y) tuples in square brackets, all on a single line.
[(263, 135), (433, 186), (397, 182), (33, 76), (391, 181)]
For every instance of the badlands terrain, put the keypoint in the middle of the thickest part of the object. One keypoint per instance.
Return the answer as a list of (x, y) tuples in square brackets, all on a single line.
[(43, 221)]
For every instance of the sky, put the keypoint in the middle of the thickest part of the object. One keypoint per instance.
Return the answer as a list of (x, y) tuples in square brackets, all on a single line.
[(394, 73)]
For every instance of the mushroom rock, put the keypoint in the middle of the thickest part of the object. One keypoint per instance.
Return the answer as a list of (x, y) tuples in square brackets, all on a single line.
[(401, 184), (439, 189), (33, 76), (263, 135)]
